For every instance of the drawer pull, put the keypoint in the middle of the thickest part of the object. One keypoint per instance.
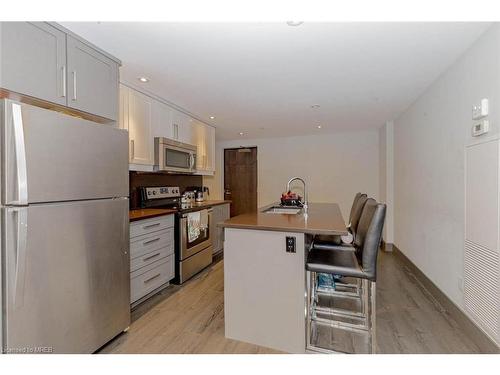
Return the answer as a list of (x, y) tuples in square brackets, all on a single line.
[(151, 225), (151, 257), (152, 278), (150, 241)]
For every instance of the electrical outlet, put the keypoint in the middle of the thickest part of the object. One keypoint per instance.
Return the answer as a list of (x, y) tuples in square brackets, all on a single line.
[(290, 244)]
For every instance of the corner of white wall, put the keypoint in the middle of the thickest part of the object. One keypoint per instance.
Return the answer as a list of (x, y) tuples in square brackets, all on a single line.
[(386, 175)]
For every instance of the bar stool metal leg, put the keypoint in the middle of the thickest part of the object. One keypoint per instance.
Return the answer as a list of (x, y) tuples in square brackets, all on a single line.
[(367, 315), (373, 317)]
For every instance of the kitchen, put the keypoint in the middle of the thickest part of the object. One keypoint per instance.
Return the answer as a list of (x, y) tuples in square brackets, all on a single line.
[(175, 221)]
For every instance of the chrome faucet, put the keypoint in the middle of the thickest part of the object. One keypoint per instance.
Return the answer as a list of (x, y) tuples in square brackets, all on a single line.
[(305, 205)]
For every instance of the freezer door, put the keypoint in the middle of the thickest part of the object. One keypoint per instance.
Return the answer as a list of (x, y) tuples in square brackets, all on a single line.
[(66, 273), (49, 157)]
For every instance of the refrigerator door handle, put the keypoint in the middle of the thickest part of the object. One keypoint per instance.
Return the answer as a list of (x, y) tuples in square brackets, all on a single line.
[(20, 154), (18, 255)]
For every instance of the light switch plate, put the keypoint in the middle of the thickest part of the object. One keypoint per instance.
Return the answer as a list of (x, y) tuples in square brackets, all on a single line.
[(480, 111)]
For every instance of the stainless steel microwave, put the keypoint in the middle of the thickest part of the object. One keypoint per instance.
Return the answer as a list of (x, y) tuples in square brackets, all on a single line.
[(174, 156)]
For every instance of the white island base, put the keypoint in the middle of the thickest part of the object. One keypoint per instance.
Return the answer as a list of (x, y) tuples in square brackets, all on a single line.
[(264, 289)]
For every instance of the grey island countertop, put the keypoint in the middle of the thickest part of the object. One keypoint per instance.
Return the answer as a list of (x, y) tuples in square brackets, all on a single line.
[(322, 218)]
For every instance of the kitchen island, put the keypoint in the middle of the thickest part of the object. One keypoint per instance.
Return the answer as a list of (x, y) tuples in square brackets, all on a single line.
[(264, 273)]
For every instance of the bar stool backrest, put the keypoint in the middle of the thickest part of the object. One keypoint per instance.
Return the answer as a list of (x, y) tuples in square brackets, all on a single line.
[(356, 197), (369, 236), (356, 214)]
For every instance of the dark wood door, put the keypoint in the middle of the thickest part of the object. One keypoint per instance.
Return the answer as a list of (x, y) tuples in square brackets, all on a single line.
[(240, 179)]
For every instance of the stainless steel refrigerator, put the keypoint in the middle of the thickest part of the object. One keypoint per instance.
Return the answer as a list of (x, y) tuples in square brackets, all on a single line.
[(64, 231)]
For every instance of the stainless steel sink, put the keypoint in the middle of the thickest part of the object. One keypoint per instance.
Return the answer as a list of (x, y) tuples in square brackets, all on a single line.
[(282, 210)]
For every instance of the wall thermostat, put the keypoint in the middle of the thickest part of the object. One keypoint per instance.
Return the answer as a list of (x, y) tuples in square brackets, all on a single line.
[(480, 128)]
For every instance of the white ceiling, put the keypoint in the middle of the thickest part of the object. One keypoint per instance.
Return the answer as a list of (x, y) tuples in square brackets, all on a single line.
[(262, 78)]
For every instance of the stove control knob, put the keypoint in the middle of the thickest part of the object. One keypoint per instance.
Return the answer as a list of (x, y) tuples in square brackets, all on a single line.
[(154, 192)]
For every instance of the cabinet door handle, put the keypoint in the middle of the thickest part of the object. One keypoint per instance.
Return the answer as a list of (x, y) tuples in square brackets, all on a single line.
[(152, 278), (132, 149), (150, 225), (63, 69), (150, 257), (176, 131), (150, 241), (74, 86)]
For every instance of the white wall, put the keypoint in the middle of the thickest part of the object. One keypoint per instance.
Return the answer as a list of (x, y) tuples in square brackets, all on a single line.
[(429, 139), (386, 177), (335, 166)]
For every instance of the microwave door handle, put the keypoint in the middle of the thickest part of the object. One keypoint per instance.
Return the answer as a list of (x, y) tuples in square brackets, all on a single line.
[(193, 161), (20, 155)]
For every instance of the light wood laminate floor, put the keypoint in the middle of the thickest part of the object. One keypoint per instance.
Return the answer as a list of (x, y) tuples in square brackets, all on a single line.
[(190, 318)]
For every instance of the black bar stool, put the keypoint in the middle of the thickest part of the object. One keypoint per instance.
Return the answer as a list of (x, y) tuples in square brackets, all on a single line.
[(360, 264), (332, 242)]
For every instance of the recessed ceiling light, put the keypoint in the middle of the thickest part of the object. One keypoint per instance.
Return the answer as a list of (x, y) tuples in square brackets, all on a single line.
[(294, 23), (319, 126), (241, 133), (143, 79), (212, 117), (315, 106)]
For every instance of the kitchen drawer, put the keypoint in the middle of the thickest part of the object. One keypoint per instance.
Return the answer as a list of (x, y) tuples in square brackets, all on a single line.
[(144, 244), (151, 257), (147, 279), (146, 226)]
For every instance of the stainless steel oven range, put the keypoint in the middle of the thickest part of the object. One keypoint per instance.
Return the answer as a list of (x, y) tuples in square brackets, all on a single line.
[(190, 256)]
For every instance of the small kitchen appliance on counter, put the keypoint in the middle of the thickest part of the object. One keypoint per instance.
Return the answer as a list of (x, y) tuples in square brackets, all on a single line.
[(191, 254), (200, 192)]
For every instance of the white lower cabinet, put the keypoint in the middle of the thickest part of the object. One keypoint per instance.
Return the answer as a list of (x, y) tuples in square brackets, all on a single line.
[(220, 213), (151, 255)]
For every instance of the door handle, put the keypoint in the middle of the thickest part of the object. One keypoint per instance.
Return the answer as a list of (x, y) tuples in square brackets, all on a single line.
[(63, 69), (17, 258), (74, 85), (193, 161), (20, 154), (150, 225), (150, 241), (176, 132), (132, 149), (152, 278), (150, 257)]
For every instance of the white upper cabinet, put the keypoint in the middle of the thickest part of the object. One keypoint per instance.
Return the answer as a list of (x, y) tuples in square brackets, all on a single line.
[(146, 118), (123, 108), (162, 121), (140, 127), (171, 123), (33, 60), (204, 137), (92, 80), (46, 62), (210, 164), (183, 124)]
